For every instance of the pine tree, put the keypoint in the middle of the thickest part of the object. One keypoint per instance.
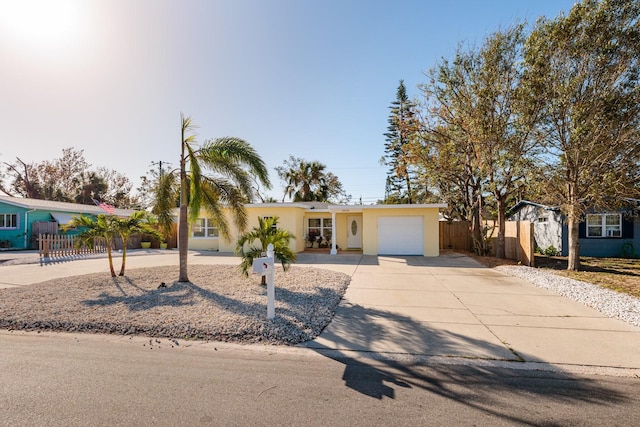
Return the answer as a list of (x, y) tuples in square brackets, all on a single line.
[(400, 177)]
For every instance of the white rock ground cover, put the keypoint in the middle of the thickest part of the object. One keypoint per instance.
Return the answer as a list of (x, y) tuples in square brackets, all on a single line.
[(608, 302), (218, 304)]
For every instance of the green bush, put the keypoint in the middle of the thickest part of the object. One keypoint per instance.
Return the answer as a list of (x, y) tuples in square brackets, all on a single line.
[(551, 251)]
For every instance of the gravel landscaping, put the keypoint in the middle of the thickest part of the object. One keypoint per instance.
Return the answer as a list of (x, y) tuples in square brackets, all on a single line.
[(218, 304), (607, 302)]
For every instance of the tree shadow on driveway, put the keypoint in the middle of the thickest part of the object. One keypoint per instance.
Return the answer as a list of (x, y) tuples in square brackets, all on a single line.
[(385, 353)]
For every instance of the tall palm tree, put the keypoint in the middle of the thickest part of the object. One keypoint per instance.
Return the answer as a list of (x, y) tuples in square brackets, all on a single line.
[(231, 163), (137, 223), (103, 227), (266, 232)]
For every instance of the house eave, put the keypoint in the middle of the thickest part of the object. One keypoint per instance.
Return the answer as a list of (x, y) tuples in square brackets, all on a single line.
[(360, 208)]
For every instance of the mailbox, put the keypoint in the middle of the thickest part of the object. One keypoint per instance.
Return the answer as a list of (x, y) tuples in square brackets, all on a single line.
[(261, 265)]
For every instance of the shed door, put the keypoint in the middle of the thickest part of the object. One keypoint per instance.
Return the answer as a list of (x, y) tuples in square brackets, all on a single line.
[(400, 235)]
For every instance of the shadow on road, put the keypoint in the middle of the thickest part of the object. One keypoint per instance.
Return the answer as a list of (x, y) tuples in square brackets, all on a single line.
[(481, 385)]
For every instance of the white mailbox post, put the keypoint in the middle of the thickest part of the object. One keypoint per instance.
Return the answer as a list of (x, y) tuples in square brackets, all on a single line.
[(265, 267)]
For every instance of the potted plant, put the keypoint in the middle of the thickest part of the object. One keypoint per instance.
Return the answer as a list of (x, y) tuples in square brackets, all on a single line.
[(145, 241), (311, 238)]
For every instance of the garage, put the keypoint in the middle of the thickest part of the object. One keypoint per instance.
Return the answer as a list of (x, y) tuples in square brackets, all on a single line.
[(400, 235)]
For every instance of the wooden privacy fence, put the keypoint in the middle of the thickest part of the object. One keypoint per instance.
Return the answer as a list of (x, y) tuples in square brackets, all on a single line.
[(519, 241), (57, 245), (455, 235)]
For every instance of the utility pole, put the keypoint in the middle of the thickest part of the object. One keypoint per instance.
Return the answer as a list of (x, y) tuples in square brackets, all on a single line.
[(159, 163)]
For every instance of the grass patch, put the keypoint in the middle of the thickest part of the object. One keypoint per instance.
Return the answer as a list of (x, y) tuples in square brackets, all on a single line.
[(618, 274)]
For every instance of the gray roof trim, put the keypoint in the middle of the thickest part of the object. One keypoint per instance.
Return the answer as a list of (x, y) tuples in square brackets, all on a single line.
[(522, 203), (48, 205)]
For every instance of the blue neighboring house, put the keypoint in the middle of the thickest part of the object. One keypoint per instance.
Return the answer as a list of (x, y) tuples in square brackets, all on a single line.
[(21, 217), (602, 234)]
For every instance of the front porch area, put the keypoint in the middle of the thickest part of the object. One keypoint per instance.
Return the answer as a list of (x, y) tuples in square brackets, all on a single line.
[(328, 251)]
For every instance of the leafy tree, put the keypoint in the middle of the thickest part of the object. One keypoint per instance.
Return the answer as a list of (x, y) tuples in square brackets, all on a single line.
[(477, 146), (403, 124), (103, 227), (231, 162), (585, 65), (308, 181), (90, 186), (66, 179), (505, 119), (119, 189), (448, 151), (266, 232), (25, 181)]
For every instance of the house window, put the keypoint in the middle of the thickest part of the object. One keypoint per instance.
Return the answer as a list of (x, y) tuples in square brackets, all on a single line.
[(8, 221), (543, 219), (320, 228), (275, 224), (204, 227), (604, 225)]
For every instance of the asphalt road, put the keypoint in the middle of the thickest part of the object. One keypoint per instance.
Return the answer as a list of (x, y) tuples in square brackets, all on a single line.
[(84, 380)]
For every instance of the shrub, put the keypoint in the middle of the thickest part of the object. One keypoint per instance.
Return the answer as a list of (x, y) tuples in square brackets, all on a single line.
[(551, 251)]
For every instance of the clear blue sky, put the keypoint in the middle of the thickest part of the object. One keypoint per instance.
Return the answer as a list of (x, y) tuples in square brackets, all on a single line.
[(308, 78)]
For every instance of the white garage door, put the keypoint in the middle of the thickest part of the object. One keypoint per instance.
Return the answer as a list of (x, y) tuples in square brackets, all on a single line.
[(400, 235)]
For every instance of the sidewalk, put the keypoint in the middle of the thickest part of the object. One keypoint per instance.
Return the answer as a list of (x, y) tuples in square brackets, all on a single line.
[(449, 306)]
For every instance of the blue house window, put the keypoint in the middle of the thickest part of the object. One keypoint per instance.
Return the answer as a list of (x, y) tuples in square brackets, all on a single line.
[(604, 225), (8, 221)]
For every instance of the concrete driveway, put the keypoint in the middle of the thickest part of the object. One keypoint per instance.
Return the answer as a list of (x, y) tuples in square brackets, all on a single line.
[(449, 307)]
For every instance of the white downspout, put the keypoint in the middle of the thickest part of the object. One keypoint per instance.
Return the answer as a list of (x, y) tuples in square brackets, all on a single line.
[(334, 251), (26, 224)]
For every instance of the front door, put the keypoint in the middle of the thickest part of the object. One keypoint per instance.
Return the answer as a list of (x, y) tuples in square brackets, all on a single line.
[(354, 228)]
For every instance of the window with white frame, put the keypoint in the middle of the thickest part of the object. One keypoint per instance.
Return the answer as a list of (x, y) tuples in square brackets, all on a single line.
[(8, 221), (319, 228), (604, 225), (274, 225), (204, 227)]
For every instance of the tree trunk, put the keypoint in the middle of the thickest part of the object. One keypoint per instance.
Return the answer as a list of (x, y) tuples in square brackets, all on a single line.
[(500, 244), (183, 243), (113, 271), (574, 241), (124, 257), (183, 221), (476, 230)]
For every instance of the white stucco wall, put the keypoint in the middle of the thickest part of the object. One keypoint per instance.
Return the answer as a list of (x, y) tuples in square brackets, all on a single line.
[(547, 233)]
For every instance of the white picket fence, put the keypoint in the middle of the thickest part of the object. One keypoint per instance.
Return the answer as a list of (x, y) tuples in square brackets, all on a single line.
[(58, 245)]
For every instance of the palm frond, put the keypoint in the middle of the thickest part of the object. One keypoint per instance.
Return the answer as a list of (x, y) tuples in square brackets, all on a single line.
[(266, 232), (195, 179), (222, 152)]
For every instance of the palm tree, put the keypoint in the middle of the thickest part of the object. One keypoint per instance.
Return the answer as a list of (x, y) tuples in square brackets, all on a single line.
[(266, 232), (137, 223), (308, 182), (103, 227), (234, 165)]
